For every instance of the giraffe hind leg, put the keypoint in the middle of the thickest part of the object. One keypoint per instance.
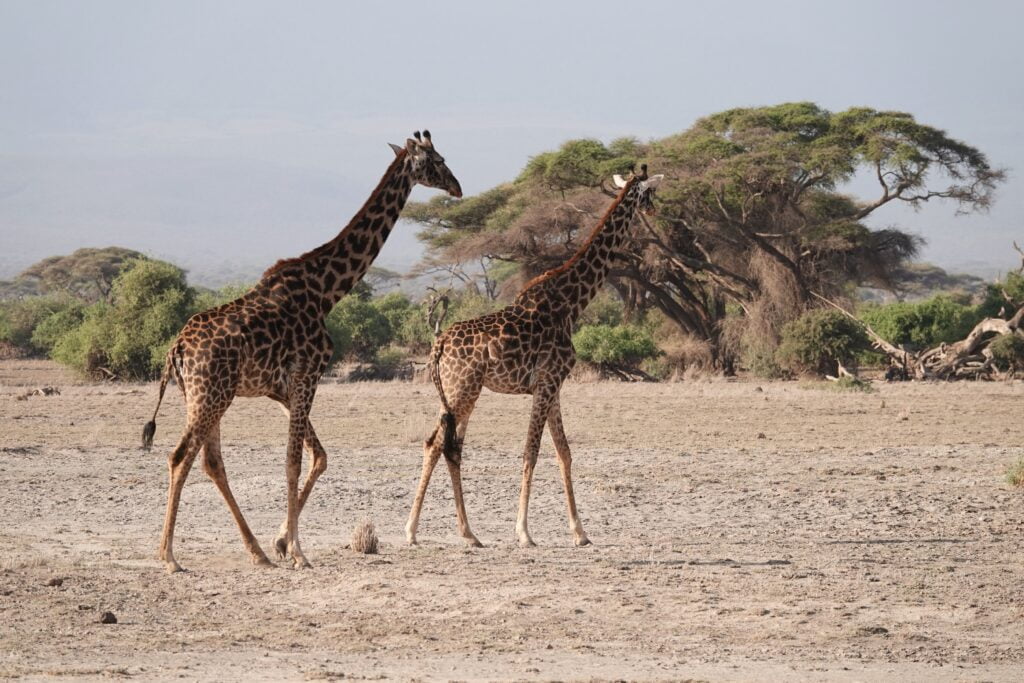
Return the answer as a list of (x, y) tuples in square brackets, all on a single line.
[(431, 454), (455, 472), (179, 462), (464, 400), (213, 465)]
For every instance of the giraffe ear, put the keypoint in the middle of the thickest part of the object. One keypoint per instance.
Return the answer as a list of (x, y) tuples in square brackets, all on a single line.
[(618, 180), (654, 181), (397, 150)]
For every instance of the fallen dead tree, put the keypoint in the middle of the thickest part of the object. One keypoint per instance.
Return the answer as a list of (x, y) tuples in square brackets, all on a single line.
[(969, 358)]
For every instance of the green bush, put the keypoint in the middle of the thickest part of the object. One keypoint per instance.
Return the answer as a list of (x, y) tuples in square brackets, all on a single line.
[(1008, 352), (626, 345), (357, 329), (56, 325), (211, 298), (128, 338), (923, 324), (760, 360), (466, 306), (605, 309), (20, 318), (1013, 285), (389, 360), (819, 339)]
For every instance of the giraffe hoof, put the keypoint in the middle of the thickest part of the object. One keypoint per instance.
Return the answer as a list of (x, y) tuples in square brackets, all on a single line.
[(526, 542), (262, 561), (301, 563), (582, 541), (473, 542), (173, 567)]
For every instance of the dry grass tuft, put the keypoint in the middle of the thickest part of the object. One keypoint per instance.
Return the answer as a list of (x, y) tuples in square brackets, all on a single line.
[(1015, 474), (364, 538)]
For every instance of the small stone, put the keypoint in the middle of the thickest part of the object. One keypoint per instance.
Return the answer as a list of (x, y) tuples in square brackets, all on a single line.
[(55, 581), (872, 631), (761, 435), (108, 618)]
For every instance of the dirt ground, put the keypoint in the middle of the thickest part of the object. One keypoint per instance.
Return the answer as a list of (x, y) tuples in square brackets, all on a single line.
[(742, 531)]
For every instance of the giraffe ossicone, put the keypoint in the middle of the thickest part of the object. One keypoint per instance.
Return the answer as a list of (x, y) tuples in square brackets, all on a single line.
[(525, 348), (272, 341)]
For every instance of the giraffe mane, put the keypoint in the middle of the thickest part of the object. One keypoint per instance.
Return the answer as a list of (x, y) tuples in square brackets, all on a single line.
[(554, 272), (285, 263)]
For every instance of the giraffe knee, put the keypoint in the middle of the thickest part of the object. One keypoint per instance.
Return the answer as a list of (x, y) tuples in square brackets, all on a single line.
[(178, 455), (211, 465), (429, 443)]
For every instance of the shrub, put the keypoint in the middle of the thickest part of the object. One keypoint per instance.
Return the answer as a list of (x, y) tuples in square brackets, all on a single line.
[(760, 360), (20, 318), (211, 298), (625, 345), (1013, 285), (467, 305), (1008, 352), (128, 338), (407, 322), (56, 325), (357, 329), (923, 324), (605, 309), (818, 340)]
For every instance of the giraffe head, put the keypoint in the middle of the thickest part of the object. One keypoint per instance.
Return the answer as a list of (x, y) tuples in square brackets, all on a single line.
[(644, 186), (427, 166)]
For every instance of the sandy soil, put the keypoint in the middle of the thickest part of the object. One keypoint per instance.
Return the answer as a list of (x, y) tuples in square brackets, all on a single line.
[(742, 531)]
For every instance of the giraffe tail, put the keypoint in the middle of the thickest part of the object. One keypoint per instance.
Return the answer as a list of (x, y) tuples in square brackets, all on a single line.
[(449, 443), (149, 430)]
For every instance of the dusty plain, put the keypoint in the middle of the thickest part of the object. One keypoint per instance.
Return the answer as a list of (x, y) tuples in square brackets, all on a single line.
[(742, 531)]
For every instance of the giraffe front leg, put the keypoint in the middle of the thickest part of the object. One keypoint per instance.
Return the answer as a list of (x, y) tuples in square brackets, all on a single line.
[(318, 465), (565, 465), (538, 416), (298, 419)]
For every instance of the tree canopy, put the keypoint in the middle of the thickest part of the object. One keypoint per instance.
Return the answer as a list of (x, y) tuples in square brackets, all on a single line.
[(751, 218), (87, 273)]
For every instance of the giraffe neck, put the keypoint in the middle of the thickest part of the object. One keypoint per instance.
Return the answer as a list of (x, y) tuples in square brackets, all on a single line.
[(573, 285), (331, 270)]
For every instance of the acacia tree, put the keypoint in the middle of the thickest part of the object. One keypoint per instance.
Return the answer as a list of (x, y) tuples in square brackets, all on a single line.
[(88, 273), (751, 218)]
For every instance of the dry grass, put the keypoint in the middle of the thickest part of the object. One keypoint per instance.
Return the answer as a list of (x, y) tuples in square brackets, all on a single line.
[(1015, 474), (364, 538)]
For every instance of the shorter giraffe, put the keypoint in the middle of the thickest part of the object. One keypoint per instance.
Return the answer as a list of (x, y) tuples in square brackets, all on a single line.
[(525, 348)]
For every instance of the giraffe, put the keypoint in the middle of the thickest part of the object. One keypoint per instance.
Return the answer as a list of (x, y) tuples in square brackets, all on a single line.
[(525, 348), (272, 341)]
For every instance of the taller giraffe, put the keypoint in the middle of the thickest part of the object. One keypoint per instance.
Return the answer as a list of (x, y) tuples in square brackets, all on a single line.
[(273, 342), (525, 348)]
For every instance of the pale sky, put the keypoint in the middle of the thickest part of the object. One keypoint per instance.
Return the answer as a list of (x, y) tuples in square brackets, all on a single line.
[(225, 135)]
